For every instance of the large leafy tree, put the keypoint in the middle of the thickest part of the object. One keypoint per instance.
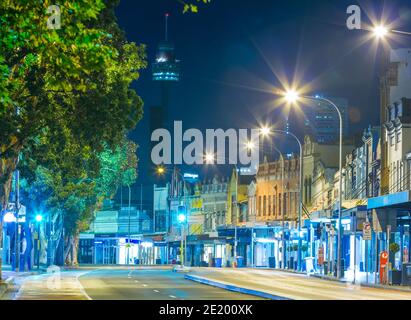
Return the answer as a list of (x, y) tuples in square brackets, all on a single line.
[(64, 93), (75, 198)]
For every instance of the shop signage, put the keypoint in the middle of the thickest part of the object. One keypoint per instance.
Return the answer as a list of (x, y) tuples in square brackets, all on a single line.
[(383, 266), (321, 256), (366, 231)]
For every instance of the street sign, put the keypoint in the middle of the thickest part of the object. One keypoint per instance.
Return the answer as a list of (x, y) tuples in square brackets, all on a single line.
[(366, 231)]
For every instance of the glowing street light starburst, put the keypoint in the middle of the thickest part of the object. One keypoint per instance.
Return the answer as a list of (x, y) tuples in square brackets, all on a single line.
[(209, 158), (265, 131), (291, 96), (380, 31)]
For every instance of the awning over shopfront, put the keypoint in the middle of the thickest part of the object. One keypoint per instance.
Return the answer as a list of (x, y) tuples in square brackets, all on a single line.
[(394, 200), (229, 232), (204, 239)]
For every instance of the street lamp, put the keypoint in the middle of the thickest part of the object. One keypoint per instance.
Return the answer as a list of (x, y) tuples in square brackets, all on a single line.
[(292, 97), (182, 219), (265, 132), (161, 171), (210, 159), (380, 31), (39, 219)]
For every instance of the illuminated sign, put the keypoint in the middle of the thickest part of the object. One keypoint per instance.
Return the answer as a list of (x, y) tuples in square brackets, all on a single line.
[(190, 176)]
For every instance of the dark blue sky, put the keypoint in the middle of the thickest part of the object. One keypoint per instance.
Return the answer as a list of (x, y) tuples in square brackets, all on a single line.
[(227, 49)]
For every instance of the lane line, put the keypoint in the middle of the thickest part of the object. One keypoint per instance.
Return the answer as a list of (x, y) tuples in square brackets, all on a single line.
[(156, 291), (144, 285), (174, 297)]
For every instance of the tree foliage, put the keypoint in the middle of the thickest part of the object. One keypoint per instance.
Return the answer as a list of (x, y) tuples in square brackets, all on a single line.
[(65, 98), (63, 89), (192, 5)]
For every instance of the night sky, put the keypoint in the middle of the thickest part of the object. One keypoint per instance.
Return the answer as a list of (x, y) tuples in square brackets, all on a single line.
[(233, 51)]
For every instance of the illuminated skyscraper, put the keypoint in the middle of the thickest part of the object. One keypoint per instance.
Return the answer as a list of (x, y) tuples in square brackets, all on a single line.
[(165, 72), (166, 67), (322, 121)]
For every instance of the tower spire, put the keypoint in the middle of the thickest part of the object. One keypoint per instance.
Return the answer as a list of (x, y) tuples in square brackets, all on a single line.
[(166, 31)]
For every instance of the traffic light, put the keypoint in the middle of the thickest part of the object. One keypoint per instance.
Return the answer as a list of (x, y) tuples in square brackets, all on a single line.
[(181, 214)]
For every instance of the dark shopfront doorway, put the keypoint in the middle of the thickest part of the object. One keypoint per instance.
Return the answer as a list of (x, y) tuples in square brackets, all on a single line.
[(106, 251)]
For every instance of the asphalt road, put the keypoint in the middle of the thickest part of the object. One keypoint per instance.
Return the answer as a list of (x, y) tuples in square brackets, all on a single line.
[(150, 284), (114, 283)]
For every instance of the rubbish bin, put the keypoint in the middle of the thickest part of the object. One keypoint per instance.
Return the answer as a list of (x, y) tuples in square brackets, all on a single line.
[(291, 263), (406, 274), (325, 267), (218, 262), (271, 262)]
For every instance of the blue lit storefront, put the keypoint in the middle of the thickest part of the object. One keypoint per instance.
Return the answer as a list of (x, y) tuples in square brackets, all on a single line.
[(392, 212), (105, 249), (355, 251), (323, 243), (243, 246), (206, 251)]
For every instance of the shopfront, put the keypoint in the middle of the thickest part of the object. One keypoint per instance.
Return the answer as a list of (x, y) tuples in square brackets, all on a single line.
[(391, 215)]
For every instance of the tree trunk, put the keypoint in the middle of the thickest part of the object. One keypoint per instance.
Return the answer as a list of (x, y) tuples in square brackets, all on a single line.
[(75, 249), (7, 167), (67, 250)]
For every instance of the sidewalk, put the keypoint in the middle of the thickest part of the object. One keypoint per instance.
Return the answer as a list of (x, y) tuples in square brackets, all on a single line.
[(9, 277), (360, 279), (276, 284)]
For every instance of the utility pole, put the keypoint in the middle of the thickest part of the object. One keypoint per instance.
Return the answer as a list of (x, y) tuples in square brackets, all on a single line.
[(236, 217)]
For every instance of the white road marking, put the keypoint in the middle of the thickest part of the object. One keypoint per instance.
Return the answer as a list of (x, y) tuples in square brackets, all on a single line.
[(173, 297), (156, 291), (144, 285), (136, 281)]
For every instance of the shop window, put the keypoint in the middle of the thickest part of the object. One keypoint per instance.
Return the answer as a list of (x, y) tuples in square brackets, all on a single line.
[(269, 205), (285, 203), (265, 206), (280, 212)]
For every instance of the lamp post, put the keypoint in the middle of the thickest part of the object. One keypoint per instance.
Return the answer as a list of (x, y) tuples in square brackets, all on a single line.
[(210, 159), (292, 97), (381, 31), (265, 132), (162, 171), (182, 219), (38, 218), (300, 207), (129, 225)]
